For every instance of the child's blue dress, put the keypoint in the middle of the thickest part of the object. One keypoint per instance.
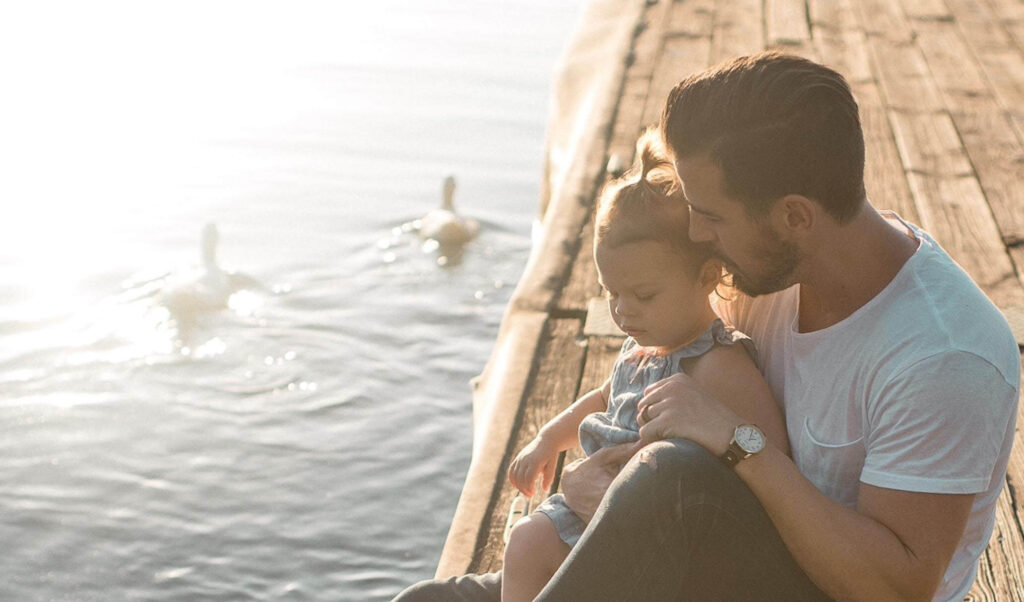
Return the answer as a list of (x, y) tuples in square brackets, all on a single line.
[(632, 374)]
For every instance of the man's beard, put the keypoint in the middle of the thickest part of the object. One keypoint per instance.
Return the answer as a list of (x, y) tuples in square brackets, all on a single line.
[(780, 259)]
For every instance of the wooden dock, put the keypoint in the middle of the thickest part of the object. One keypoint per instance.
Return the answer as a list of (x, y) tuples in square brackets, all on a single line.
[(941, 90)]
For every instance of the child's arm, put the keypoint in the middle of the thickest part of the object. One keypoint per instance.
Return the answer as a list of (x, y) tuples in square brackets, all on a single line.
[(729, 375), (540, 456)]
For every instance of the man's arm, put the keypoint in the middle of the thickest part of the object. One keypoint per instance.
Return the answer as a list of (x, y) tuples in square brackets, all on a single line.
[(895, 546)]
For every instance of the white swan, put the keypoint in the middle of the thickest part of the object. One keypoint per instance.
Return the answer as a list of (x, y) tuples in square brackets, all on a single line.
[(444, 225), (206, 289)]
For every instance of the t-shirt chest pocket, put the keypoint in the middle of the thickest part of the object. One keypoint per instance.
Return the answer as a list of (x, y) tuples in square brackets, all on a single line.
[(831, 458)]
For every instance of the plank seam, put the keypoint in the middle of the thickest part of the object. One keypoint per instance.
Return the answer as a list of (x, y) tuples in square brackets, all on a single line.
[(810, 28), (559, 313)]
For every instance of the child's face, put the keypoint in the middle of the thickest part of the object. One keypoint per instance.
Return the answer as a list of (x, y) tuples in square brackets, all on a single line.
[(650, 293)]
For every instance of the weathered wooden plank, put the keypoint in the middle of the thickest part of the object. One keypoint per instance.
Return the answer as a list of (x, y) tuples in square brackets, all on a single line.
[(1009, 11), (687, 50), (841, 42), (1015, 27), (926, 10), (884, 178), (786, 23), (902, 74), (689, 17), (930, 145), (601, 354), (582, 283), (952, 65), (952, 206), (884, 19), (560, 365), (738, 29), (1001, 567), (989, 130), (629, 120), (1001, 61), (948, 196), (1000, 571), (626, 127), (994, 150), (899, 68)]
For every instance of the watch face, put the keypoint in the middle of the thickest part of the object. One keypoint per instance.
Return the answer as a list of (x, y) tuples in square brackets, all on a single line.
[(750, 438)]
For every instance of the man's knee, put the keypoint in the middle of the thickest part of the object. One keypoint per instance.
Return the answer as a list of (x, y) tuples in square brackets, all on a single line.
[(674, 457), (664, 470)]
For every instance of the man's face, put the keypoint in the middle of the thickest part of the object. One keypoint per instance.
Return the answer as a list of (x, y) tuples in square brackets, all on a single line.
[(758, 257)]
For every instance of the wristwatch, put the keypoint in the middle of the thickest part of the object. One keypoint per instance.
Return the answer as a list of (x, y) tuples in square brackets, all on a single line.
[(747, 440)]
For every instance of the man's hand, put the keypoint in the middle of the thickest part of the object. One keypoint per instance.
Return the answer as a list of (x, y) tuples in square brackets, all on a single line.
[(585, 481), (676, 407)]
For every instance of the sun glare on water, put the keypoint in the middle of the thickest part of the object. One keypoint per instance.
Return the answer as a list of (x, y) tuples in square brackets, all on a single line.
[(120, 115)]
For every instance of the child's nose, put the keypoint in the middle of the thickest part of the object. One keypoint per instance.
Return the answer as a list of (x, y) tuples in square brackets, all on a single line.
[(622, 308)]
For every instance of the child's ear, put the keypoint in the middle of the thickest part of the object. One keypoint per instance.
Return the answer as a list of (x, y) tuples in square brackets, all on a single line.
[(710, 275)]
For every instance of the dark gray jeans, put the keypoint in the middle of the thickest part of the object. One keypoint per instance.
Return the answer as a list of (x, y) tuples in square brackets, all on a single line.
[(676, 524)]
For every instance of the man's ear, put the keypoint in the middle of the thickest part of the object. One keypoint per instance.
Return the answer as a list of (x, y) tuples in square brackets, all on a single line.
[(794, 213)]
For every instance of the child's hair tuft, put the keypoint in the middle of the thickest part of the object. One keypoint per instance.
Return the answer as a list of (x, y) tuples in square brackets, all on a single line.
[(647, 203)]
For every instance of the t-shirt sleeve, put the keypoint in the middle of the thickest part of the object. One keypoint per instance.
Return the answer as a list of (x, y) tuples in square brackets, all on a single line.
[(938, 426)]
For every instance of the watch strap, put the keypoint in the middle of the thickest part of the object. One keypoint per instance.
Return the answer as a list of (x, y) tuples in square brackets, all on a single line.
[(732, 456)]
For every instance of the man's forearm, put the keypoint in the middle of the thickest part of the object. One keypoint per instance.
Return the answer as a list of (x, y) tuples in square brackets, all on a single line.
[(849, 555)]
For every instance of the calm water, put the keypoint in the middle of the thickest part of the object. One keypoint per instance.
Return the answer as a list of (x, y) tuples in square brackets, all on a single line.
[(310, 440)]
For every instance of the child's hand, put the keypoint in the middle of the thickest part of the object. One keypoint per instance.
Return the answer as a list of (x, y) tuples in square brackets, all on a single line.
[(537, 458)]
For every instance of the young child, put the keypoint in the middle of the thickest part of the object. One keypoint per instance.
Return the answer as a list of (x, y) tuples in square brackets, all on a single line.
[(658, 284)]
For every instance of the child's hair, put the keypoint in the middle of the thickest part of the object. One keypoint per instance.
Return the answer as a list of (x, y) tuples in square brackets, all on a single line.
[(647, 203)]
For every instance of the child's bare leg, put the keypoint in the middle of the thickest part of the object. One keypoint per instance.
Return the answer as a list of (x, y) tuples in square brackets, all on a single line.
[(532, 555)]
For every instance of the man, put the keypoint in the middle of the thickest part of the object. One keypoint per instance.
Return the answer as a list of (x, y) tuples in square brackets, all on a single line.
[(898, 378)]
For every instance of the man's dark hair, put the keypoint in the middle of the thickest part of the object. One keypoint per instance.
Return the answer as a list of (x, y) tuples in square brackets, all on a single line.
[(775, 124)]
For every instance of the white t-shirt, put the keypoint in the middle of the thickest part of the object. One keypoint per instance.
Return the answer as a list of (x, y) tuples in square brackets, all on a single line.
[(917, 390)]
